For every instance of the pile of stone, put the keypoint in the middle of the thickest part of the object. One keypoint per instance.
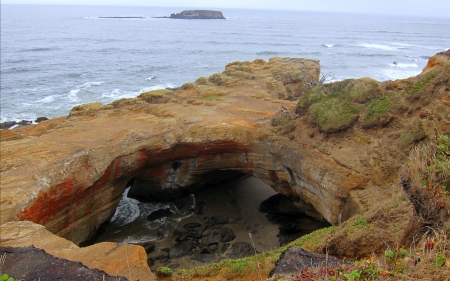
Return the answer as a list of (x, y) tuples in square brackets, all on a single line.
[(205, 242)]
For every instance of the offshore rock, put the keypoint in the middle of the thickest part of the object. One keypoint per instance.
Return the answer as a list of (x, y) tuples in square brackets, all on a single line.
[(198, 14)]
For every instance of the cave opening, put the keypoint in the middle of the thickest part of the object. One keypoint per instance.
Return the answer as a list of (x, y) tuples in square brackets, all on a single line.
[(224, 219)]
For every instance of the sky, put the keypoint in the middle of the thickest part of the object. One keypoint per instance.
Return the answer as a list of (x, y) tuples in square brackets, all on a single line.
[(425, 8)]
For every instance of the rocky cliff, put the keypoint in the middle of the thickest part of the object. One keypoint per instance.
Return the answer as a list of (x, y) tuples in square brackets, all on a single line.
[(255, 118)]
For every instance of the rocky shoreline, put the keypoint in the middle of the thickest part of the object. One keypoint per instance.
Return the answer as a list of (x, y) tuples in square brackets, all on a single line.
[(67, 174)]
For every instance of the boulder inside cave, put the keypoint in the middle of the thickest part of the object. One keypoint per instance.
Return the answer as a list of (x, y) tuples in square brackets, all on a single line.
[(211, 224)]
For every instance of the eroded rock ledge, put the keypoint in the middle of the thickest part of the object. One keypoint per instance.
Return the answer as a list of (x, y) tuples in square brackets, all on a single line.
[(68, 173)]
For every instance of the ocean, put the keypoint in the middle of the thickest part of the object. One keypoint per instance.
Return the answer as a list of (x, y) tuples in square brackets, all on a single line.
[(56, 57)]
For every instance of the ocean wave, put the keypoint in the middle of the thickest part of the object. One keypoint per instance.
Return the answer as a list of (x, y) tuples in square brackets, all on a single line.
[(39, 49), (72, 96), (403, 65), (269, 53), (156, 87), (121, 94), (328, 45), (150, 78), (394, 74), (127, 210), (118, 18), (90, 84), (378, 46), (47, 99)]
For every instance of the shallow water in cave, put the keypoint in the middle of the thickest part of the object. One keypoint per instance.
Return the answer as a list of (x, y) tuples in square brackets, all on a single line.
[(238, 200)]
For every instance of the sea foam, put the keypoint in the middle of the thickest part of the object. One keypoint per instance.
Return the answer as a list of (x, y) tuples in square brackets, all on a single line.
[(378, 46)]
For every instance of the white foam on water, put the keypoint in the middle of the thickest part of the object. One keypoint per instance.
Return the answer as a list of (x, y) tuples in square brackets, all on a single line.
[(378, 46), (394, 74), (47, 99), (90, 84), (403, 65), (156, 87), (150, 78), (328, 45), (117, 94), (127, 210), (72, 96)]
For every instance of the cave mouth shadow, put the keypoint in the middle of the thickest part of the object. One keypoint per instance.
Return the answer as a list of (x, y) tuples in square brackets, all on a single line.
[(209, 224)]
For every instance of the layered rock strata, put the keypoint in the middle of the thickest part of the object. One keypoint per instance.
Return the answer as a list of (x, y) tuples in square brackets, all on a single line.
[(69, 173)]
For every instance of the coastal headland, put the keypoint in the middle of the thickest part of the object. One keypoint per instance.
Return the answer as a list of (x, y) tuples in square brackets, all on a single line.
[(336, 148)]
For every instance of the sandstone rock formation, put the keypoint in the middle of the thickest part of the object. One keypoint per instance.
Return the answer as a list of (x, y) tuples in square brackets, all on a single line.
[(69, 173), (114, 259)]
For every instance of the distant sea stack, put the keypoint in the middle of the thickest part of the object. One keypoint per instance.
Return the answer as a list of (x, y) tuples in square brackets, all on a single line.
[(198, 14)]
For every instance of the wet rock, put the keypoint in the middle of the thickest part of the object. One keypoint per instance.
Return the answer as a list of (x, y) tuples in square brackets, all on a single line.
[(192, 225), (25, 122), (222, 247), (182, 202), (161, 256), (227, 234), (281, 204), (148, 246), (40, 119), (213, 247), (219, 219), (174, 265), (29, 263), (214, 238), (292, 227), (200, 208), (191, 230), (161, 213), (204, 257), (294, 260), (240, 250), (182, 249), (7, 124)]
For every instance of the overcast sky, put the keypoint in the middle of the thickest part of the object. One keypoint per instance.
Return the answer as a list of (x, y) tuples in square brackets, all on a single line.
[(426, 8)]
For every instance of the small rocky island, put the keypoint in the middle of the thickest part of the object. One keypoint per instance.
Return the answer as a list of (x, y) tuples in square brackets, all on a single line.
[(198, 14)]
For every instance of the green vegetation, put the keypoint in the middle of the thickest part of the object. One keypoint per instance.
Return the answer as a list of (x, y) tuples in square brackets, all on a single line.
[(376, 108), (5, 277), (156, 96), (164, 272), (336, 106), (333, 114), (219, 79), (430, 260), (255, 265), (429, 166), (187, 86), (420, 84)]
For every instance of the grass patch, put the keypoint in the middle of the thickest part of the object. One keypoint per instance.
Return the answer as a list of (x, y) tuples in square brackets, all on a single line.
[(413, 133), (426, 179), (376, 108), (211, 97), (429, 261), (336, 106), (420, 84), (333, 114)]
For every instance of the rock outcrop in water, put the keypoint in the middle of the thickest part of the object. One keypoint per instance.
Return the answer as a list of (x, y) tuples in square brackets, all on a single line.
[(69, 173), (198, 14)]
